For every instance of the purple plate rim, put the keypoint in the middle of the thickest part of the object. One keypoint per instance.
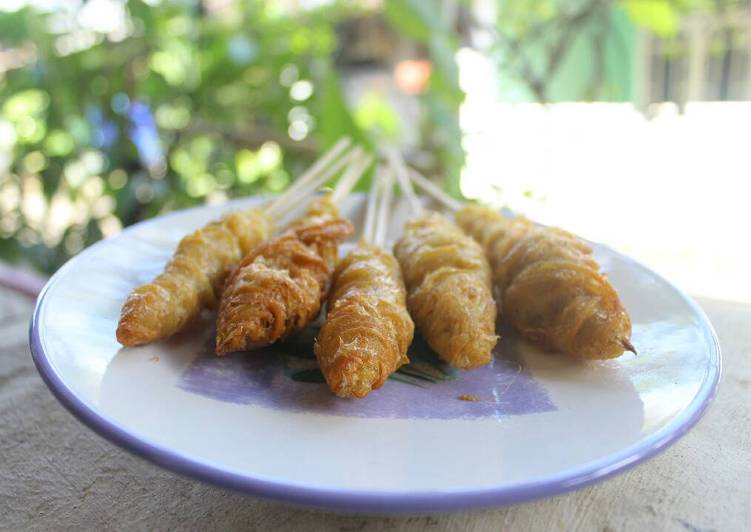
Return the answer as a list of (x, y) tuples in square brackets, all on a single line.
[(380, 501)]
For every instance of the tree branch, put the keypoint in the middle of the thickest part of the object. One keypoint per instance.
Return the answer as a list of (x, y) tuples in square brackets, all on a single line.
[(567, 26)]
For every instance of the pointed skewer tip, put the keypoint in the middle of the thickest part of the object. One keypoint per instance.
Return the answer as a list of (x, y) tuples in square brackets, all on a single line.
[(628, 346)]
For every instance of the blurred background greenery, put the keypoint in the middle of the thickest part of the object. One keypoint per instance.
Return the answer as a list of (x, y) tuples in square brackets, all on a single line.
[(112, 111)]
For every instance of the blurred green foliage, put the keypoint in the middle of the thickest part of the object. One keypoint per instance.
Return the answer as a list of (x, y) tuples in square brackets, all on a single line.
[(114, 111), (178, 108), (431, 27), (540, 43), (107, 118)]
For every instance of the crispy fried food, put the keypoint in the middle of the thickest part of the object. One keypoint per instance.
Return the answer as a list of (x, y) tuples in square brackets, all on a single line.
[(278, 288), (192, 279), (550, 285), (368, 329), (449, 290)]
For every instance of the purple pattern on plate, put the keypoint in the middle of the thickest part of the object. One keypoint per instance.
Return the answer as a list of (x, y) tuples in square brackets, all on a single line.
[(265, 378)]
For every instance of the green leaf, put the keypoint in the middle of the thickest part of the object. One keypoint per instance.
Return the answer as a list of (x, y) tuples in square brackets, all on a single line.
[(444, 79), (26, 103), (330, 99), (399, 377), (415, 18), (309, 376), (203, 78), (425, 365), (374, 113), (13, 26), (659, 16)]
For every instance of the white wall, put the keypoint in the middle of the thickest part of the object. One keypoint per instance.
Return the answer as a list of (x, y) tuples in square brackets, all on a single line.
[(673, 191)]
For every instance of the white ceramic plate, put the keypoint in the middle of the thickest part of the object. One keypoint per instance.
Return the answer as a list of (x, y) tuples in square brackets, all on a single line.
[(255, 422)]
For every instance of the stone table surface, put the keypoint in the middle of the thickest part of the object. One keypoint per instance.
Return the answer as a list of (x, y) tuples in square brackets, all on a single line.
[(56, 474)]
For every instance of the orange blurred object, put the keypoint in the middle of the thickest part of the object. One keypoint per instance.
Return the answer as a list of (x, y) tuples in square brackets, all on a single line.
[(412, 75)]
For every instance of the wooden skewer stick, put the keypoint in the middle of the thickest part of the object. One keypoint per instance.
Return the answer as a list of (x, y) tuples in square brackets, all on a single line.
[(359, 163), (386, 187), (326, 159), (454, 205), (291, 197), (356, 163), (402, 175), (345, 163), (309, 176), (371, 206), (426, 185)]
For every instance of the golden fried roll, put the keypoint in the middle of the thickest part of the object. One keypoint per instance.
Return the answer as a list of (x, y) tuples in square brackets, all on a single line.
[(550, 285), (278, 288), (192, 279), (449, 290), (367, 330)]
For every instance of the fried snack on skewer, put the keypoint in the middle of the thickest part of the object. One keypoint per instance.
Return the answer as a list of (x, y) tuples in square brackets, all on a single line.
[(449, 290), (367, 330), (192, 279), (278, 289), (550, 286)]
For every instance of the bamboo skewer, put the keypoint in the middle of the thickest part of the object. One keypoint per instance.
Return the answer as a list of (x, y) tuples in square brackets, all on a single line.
[(359, 163), (377, 206), (448, 281), (193, 278), (399, 167), (507, 241), (326, 167), (278, 289), (435, 191), (381, 218), (371, 206), (367, 330)]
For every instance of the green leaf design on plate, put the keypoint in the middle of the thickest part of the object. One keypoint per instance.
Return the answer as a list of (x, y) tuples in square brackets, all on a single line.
[(405, 379), (425, 367), (425, 364), (308, 375)]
